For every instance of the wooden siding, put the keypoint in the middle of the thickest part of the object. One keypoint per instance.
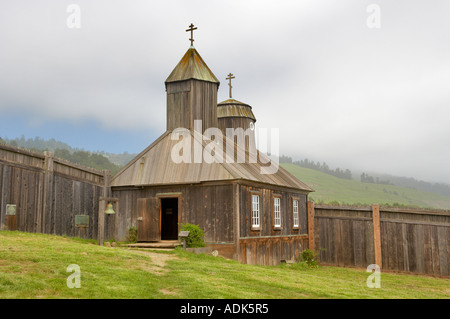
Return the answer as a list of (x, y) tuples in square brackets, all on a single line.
[(411, 240), (209, 206), (234, 122), (271, 250), (266, 209), (191, 100), (268, 245)]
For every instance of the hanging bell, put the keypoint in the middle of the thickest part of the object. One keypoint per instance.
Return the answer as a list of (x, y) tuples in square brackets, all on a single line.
[(109, 209)]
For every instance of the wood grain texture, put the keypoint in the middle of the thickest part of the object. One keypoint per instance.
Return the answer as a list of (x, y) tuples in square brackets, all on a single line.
[(410, 241)]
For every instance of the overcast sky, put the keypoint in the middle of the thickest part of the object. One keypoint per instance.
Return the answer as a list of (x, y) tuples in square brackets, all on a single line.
[(357, 97)]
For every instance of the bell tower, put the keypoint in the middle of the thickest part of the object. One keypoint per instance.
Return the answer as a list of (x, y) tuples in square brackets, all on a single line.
[(191, 92)]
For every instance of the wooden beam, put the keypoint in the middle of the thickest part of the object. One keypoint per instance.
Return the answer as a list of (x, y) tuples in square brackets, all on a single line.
[(376, 234), (47, 203), (101, 221), (311, 225), (236, 220), (106, 183)]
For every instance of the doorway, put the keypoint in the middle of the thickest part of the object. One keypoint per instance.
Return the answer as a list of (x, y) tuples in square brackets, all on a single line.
[(169, 218)]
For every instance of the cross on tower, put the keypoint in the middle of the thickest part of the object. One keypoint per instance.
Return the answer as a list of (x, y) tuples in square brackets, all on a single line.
[(230, 76), (191, 28)]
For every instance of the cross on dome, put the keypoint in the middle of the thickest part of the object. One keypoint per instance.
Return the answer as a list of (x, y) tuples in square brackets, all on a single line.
[(191, 28)]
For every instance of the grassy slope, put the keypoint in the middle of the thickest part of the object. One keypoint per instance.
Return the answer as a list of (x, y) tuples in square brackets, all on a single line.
[(34, 266), (329, 188)]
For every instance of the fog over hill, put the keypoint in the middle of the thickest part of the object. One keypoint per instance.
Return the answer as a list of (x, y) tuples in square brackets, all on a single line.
[(115, 161)]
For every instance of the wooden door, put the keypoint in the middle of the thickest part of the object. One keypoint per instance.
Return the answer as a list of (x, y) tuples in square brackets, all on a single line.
[(149, 219)]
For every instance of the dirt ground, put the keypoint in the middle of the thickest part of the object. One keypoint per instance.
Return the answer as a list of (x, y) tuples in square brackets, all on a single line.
[(158, 261)]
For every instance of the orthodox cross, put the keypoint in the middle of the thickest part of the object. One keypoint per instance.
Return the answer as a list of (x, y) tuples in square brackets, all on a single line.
[(230, 76), (191, 28)]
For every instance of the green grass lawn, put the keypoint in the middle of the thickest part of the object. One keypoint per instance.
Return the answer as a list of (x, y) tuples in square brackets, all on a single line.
[(329, 189), (35, 266)]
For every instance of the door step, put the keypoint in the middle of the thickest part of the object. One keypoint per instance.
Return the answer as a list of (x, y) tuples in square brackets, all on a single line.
[(165, 244)]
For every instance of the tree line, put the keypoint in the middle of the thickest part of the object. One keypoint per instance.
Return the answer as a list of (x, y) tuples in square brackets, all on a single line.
[(438, 188), (321, 167), (366, 178), (64, 151)]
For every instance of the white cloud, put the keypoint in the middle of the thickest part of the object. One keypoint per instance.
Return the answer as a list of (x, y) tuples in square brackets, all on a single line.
[(342, 93)]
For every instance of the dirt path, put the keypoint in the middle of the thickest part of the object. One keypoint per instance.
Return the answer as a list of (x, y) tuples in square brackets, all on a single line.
[(158, 261)]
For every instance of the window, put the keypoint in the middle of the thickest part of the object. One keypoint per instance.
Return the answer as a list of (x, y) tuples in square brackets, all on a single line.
[(295, 212), (255, 211), (277, 212)]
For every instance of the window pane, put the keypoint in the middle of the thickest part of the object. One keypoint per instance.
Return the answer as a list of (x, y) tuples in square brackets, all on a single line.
[(255, 210), (276, 212), (295, 212)]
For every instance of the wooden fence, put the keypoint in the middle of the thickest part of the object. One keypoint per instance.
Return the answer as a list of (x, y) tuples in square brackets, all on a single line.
[(43, 194), (416, 241)]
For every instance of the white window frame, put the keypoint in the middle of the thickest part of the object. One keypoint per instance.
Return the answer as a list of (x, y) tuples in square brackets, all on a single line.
[(276, 212), (295, 215), (256, 211)]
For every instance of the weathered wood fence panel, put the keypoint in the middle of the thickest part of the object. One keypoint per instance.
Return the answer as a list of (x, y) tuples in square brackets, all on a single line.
[(416, 241), (48, 193)]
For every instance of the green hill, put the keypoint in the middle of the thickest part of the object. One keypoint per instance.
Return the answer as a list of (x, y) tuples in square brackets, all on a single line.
[(38, 266), (330, 189)]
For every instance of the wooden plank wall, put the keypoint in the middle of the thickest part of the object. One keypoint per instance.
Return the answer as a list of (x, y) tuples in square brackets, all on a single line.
[(191, 100), (206, 205), (266, 204), (411, 241), (269, 245), (48, 193), (271, 251)]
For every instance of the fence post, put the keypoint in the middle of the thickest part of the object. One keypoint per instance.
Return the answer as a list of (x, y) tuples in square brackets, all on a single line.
[(102, 207), (47, 223), (311, 225), (101, 221), (377, 234)]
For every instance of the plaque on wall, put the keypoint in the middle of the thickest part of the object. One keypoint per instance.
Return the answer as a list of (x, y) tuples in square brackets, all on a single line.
[(81, 220), (10, 209)]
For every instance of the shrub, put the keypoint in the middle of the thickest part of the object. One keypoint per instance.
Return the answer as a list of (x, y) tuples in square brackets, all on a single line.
[(195, 238), (132, 235), (309, 258)]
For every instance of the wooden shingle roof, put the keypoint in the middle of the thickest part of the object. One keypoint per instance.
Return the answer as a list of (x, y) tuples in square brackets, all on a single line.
[(234, 108), (192, 66), (154, 166)]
